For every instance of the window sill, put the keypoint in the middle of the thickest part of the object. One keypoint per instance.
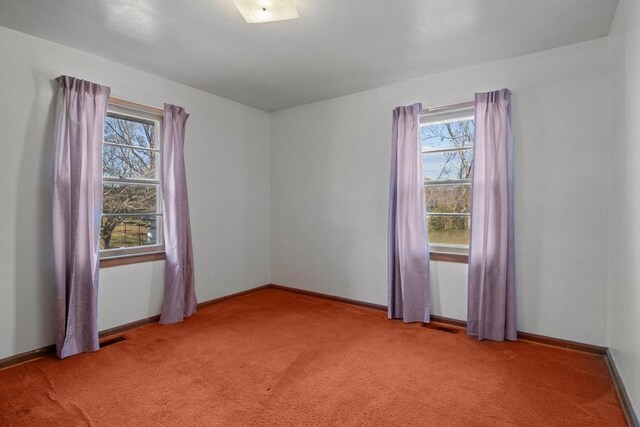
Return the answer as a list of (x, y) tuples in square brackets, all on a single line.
[(449, 257), (131, 259)]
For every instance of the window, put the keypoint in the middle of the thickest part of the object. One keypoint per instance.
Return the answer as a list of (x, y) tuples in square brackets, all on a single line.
[(131, 221), (446, 138)]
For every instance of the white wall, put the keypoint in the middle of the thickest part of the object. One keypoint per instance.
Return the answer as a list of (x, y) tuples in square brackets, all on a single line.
[(624, 224), (227, 156), (330, 174)]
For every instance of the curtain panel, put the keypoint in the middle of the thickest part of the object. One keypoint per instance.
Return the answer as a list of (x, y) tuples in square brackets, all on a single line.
[(81, 109), (491, 294), (408, 252), (179, 288)]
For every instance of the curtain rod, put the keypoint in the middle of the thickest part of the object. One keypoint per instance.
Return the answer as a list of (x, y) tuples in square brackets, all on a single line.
[(136, 106), (448, 108)]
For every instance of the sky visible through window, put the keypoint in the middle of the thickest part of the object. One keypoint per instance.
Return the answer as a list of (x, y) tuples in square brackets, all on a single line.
[(447, 161), (130, 184), (447, 165)]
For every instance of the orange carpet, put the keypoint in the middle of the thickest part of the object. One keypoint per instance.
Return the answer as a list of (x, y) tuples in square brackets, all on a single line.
[(275, 358)]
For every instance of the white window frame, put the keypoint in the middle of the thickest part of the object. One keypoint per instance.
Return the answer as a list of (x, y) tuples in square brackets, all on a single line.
[(440, 115), (157, 119)]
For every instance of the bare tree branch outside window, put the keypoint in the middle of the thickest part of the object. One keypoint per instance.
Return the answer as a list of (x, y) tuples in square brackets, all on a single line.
[(452, 165), (127, 154)]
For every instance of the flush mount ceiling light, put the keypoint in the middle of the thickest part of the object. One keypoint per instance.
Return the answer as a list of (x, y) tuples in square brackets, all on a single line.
[(258, 11)]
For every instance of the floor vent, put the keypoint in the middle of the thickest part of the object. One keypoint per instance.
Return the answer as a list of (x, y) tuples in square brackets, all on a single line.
[(111, 341), (441, 328)]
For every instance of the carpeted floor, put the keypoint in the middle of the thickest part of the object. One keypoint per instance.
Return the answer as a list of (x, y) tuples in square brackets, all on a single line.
[(277, 358)]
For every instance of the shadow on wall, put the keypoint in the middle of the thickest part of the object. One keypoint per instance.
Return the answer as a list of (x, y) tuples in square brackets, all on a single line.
[(528, 256), (35, 280)]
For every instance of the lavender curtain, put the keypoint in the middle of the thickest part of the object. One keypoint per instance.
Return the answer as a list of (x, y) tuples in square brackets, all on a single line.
[(409, 290), (491, 296), (179, 291), (77, 206)]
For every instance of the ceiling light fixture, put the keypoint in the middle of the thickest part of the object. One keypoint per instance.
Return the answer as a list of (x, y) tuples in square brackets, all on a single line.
[(259, 11)]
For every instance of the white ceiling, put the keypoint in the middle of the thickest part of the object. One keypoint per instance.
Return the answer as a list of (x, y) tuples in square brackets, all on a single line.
[(335, 48)]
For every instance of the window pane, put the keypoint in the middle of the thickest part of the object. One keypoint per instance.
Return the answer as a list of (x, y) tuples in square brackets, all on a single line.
[(126, 231), (129, 131), (126, 162), (447, 135), (448, 165), (448, 198), (127, 199), (448, 230)]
